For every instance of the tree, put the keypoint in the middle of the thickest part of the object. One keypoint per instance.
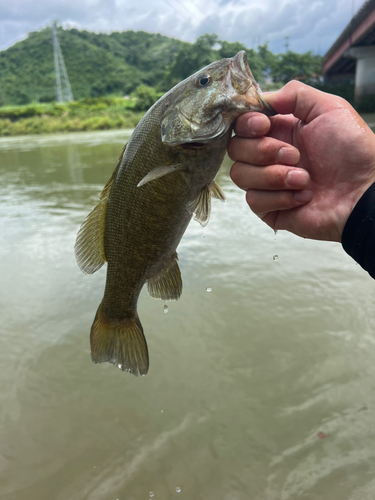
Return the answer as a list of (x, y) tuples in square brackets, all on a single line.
[(293, 66), (190, 59), (145, 97), (268, 59)]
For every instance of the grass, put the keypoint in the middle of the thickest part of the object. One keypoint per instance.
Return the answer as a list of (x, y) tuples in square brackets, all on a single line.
[(104, 113), (87, 114)]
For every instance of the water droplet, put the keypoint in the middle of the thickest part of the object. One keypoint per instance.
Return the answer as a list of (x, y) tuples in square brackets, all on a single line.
[(178, 489), (275, 236), (209, 289), (165, 308), (152, 494), (275, 257), (275, 233), (203, 236)]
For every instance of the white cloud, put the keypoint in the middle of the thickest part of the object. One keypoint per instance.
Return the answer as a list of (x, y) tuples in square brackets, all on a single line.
[(309, 24)]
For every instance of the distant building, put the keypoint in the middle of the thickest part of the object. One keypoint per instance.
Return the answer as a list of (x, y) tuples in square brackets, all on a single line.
[(352, 56)]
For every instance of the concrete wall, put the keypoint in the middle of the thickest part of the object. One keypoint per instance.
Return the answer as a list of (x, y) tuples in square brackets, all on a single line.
[(365, 70)]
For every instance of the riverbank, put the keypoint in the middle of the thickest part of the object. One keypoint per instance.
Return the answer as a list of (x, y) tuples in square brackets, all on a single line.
[(84, 115)]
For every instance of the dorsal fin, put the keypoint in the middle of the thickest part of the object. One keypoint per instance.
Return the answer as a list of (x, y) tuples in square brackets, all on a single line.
[(107, 188), (89, 247)]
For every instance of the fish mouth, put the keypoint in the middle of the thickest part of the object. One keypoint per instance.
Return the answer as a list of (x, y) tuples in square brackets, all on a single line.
[(240, 60), (245, 84)]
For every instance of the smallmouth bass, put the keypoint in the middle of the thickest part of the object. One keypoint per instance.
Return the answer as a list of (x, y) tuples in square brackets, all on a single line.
[(164, 177)]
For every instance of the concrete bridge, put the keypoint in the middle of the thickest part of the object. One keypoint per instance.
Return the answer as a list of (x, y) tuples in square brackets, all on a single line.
[(352, 56)]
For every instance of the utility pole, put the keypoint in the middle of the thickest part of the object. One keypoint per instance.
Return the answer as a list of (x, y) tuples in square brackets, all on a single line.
[(286, 44), (63, 89)]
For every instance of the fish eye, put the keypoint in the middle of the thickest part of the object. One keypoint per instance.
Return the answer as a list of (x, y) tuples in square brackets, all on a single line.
[(203, 80)]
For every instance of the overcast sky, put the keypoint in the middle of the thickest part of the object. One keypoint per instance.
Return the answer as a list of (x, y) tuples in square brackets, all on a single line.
[(310, 24)]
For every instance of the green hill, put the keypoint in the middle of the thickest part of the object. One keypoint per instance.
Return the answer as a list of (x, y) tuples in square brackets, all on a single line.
[(115, 64), (97, 64)]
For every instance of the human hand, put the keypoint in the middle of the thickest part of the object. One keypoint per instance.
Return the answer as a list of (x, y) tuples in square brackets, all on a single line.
[(304, 169)]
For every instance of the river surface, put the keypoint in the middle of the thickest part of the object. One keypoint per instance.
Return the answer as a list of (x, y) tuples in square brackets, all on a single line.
[(261, 389)]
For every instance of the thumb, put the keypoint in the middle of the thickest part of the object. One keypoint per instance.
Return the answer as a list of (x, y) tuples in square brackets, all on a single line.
[(303, 101)]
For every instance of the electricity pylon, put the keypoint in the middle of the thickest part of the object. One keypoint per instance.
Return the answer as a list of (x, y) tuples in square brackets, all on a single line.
[(63, 88)]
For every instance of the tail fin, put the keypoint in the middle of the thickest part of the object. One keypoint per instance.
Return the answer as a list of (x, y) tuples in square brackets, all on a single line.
[(121, 343)]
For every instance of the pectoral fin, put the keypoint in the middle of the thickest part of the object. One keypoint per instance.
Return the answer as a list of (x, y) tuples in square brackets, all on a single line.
[(166, 284), (89, 246), (158, 172), (201, 207)]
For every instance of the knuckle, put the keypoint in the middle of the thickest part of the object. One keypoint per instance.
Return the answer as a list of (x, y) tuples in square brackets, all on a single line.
[(251, 198), (342, 102), (294, 85), (266, 151), (231, 148), (286, 200), (235, 173), (259, 202), (280, 177)]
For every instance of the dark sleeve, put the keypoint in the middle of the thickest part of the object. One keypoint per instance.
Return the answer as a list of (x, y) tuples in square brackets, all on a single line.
[(358, 237)]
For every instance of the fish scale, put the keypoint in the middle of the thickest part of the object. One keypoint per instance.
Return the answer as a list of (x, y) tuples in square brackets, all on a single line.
[(164, 177)]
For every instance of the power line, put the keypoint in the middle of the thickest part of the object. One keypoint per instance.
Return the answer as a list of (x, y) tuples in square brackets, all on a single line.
[(63, 88)]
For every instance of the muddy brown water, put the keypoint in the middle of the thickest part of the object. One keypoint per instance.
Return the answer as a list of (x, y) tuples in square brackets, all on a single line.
[(261, 389)]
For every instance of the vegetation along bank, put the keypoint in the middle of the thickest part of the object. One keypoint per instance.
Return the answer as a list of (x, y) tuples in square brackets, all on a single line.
[(115, 77)]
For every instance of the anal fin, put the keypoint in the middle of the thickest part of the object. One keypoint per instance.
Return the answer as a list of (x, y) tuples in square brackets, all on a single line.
[(167, 283)]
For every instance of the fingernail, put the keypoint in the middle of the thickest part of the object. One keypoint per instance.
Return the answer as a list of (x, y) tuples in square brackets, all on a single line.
[(257, 124), (297, 178), (303, 196), (288, 156)]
